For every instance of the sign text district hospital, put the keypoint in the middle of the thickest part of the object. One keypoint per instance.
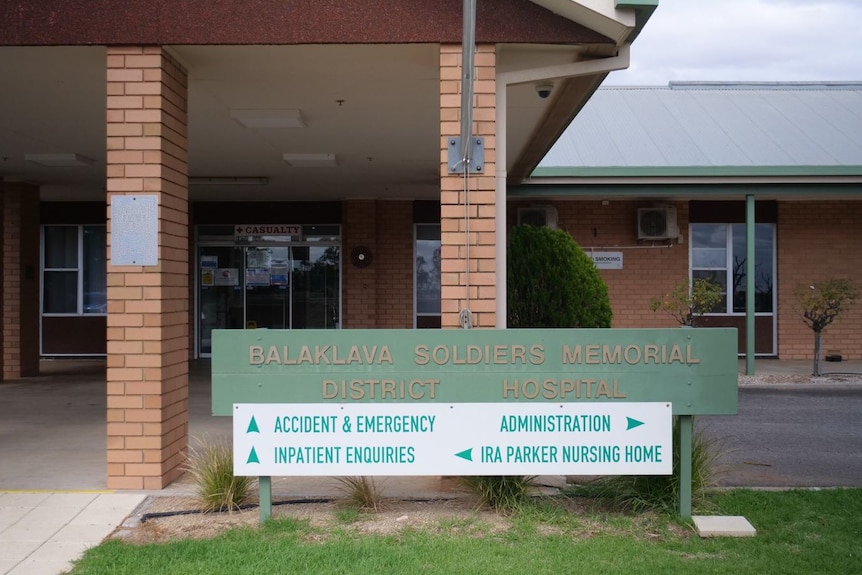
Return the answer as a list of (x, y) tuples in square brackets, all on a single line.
[(466, 402), (694, 369)]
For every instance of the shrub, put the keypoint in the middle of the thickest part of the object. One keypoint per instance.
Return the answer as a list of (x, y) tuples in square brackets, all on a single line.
[(686, 303), (552, 282), (210, 465), (500, 492)]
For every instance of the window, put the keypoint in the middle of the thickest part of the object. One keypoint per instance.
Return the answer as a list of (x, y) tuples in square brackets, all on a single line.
[(718, 253), (74, 270), (427, 275)]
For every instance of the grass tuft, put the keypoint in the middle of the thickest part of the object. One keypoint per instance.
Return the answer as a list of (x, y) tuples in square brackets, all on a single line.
[(361, 493), (210, 465), (500, 492)]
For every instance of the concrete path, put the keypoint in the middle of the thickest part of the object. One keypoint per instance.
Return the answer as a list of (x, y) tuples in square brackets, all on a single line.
[(44, 532)]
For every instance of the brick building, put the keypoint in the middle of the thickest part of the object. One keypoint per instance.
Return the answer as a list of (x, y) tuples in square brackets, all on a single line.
[(173, 167), (697, 155)]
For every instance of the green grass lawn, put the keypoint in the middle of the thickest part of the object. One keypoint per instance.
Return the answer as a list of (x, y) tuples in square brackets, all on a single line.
[(797, 532)]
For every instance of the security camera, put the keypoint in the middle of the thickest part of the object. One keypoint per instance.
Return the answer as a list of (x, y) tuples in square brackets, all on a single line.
[(544, 89)]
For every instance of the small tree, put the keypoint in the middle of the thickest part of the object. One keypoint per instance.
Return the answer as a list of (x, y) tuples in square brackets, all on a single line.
[(552, 282), (821, 303), (686, 303)]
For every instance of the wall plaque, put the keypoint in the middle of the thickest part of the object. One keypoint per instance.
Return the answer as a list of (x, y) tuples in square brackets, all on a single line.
[(134, 230)]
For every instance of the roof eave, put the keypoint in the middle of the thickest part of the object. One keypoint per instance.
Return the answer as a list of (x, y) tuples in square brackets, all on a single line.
[(699, 173), (620, 20)]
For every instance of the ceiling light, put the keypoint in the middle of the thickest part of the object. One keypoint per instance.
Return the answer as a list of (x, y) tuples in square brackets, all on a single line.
[(59, 160), (256, 118), (229, 181), (311, 160)]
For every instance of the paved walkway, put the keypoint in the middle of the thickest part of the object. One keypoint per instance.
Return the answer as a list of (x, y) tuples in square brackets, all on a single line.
[(53, 499), (43, 532)]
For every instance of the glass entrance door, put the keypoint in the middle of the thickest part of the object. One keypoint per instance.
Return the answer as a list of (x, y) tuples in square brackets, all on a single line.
[(271, 287), (316, 287), (221, 297), (267, 287)]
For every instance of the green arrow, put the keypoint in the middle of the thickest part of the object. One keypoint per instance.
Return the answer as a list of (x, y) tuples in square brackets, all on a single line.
[(252, 457), (632, 423), (252, 426), (466, 454)]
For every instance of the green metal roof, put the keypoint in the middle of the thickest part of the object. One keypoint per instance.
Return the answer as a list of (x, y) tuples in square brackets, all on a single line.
[(709, 129)]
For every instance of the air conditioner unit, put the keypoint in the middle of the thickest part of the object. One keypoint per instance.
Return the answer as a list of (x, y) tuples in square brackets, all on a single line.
[(538, 216), (657, 223)]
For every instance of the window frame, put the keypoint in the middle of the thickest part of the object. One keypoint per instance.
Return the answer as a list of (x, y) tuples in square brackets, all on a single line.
[(416, 239), (79, 270), (728, 266)]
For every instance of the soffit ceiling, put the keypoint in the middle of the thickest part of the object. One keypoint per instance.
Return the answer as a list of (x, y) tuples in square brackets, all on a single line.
[(375, 106)]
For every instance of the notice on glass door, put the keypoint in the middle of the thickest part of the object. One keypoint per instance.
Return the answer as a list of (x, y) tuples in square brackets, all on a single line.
[(257, 277), (226, 277), (278, 273)]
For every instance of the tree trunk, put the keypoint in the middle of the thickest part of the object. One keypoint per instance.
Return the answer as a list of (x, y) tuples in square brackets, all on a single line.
[(817, 344)]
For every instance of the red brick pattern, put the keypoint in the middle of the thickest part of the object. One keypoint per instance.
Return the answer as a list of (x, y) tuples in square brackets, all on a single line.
[(649, 269), (381, 294), (359, 285), (817, 241), (460, 226), (394, 259), (20, 289), (148, 307)]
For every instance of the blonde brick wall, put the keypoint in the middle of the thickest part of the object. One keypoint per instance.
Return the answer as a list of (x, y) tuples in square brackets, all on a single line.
[(454, 214), (817, 241), (148, 307)]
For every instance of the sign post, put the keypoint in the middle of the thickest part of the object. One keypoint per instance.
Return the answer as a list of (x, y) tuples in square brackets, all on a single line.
[(401, 402)]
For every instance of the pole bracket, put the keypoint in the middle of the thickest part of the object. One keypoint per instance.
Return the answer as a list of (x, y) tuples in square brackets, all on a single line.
[(475, 156)]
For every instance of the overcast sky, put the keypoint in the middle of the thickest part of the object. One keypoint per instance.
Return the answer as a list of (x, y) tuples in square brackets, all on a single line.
[(747, 40)]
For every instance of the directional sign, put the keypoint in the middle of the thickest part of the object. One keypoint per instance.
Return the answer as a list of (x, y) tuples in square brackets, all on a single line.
[(452, 439)]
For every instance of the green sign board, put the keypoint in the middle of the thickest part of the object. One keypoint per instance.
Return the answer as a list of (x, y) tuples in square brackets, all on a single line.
[(694, 369)]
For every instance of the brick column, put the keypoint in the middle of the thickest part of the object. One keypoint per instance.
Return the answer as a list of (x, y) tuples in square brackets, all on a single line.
[(359, 284), (148, 306), (453, 221), (20, 281)]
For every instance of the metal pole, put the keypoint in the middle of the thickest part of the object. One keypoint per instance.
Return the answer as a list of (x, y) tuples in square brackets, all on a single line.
[(264, 489), (467, 57), (686, 424), (749, 284)]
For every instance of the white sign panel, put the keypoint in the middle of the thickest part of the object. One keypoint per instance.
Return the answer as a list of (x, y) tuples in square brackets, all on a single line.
[(452, 439), (134, 230), (607, 260)]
